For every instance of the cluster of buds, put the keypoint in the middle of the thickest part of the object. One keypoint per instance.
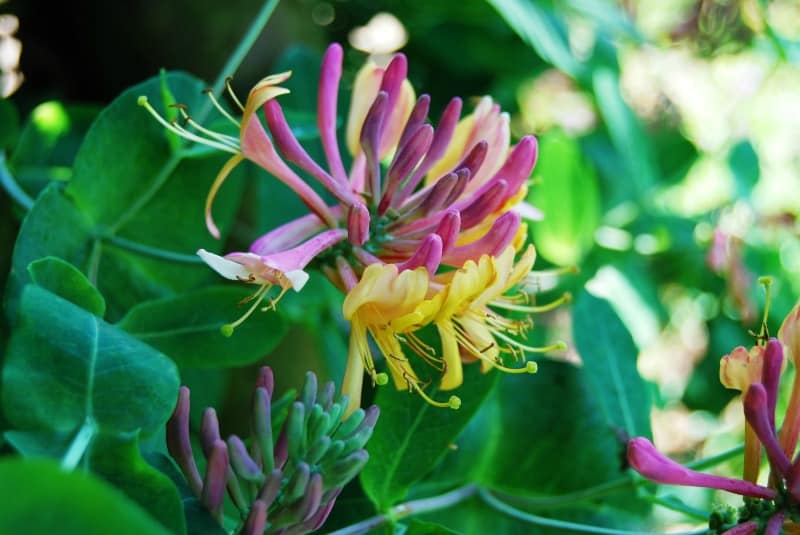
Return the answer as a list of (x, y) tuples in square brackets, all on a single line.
[(772, 508), (284, 485), (426, 230)]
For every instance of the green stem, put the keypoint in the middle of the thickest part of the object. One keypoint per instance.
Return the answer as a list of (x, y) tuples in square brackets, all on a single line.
[(675, 504), (79, 445), (12, 188), (413, 507), (714, 460), (155, 252), (504, 508), (244, 47), (577, 496)]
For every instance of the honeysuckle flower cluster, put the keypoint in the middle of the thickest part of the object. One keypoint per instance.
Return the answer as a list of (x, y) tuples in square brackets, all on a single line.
[(426, 229), (772, 508), (286, 484)]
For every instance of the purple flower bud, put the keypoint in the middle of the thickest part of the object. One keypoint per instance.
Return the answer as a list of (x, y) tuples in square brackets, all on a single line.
[(648, 461), (483, 202), (460, 186), (281, 449), (262, 427), (448, 229), (405, 160), (429, 255), (416, 119), (318, 519), (474, 158), (518, 166), (771, 375), (271, 487), (370, 140), (209, 430), (432, 198), (358, 224), (755, 412), (243, 465), (216, 478), (294, 152), (311, 500), (179, 444), (266, 380), (288, 235), (775, 524), (328, 93), (392, 82), (493, 242), (747, 528), (256, 520), (343, 470)]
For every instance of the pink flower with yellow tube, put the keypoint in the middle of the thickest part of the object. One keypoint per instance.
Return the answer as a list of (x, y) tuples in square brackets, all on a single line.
[(426, 228)]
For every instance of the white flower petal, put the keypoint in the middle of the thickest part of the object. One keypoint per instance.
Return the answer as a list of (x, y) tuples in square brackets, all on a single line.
[(298, 278), (227, 268)]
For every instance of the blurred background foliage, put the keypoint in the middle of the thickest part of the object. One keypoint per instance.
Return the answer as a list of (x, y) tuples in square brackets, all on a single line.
[(669, 173)]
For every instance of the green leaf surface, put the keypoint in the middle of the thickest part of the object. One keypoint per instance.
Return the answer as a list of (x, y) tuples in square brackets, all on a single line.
[(118, 461), (129, 183), (542, 32), (609, 362), (411, 435), (47, 499), (66, 367), (187, 327), (421, 527), (744, 164), (626, 132), (568, 195), (65, 280)]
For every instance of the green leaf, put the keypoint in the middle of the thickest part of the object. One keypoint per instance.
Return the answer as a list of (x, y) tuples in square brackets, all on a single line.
[(128, 183), (66, 368), (411, 435), (609, 362), (569, 197), (118, 461), (743, 162), (47, 499), (420, 527), (187, 327), (626, 132), (541, 31), (64, 280)]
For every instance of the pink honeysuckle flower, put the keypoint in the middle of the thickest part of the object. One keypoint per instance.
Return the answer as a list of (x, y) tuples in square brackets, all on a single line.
[(418, 197)]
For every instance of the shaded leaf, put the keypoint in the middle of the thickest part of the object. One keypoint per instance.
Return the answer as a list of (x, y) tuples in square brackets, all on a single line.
[(66, 367), (569, 197), (411, 435), (64, 280), (187, 327), (609, 362), (47, 499), (9, 124)]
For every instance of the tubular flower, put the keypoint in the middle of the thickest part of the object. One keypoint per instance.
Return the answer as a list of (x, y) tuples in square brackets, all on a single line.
[(424, 230), (771, 508)]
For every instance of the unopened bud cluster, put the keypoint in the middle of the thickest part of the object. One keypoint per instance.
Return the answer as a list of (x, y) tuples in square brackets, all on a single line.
[(284, 482)]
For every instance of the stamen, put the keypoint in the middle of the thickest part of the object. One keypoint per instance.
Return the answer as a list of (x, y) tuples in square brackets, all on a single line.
[(558, 346), (231, 93), (453, 403), (222, 138), (210, 93), (533, 309), (228, 328), (182, 132)]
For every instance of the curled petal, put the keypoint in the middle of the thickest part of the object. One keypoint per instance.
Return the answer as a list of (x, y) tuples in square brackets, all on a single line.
[(741, 367), (648, 461), (756, 403), (331, 73)]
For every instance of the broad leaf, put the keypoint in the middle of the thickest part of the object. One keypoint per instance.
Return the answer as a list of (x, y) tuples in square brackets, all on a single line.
[(609, 362), (46, 499), (66, 367), (411, 435), (569, 197), (64, 280), (187, 327)]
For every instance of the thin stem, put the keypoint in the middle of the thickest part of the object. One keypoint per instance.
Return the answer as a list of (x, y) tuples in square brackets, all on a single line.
[(503, 507), (79, 445), (155, 252), (13, 189), (414, 507), (714, 460), (677, 505), (244, 47), (581, 495)]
